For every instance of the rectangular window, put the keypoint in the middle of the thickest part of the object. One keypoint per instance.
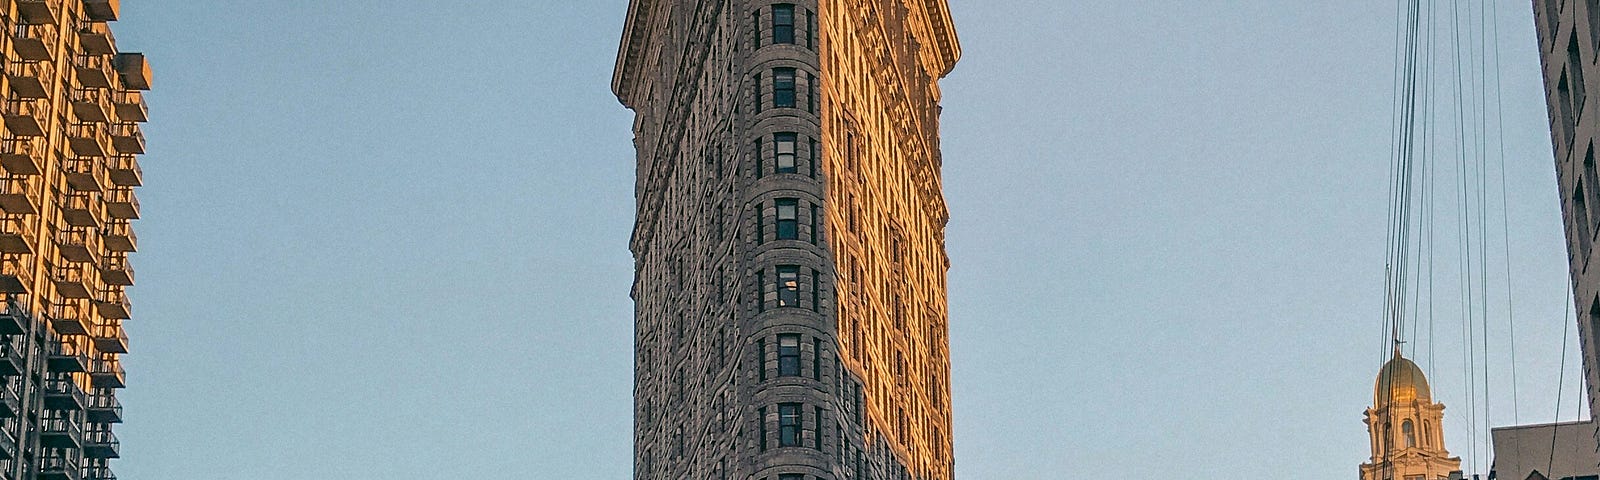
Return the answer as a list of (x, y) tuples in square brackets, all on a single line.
[(1575, 65), (788, 286), (783, 24), (762, 421), (791, 476), (783, 88), (811, 30), (816, 157), (761, 224), (1581, 220), (759, 91), (788, 355), (816, 292), (816, 224), (761, 291), (1568, 119), (816, 437), (789, 424), (788, 219), (755, 24), (816, 361), (785, 145), (811, 93), (761, 154)]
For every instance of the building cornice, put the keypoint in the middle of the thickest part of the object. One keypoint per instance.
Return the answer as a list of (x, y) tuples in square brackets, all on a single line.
[(944, 33), (634, 36)]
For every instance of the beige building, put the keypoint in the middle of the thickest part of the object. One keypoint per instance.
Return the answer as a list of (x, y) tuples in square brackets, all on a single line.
[(790, 316), (1405, 427), (1524, 452)]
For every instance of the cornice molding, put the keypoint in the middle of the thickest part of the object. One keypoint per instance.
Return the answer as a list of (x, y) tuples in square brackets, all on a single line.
[(944, 32), (634, 35)]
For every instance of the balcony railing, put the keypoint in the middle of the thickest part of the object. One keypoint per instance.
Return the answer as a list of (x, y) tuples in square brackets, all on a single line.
[(127, 138), (107, 372), (96, 38), (93, 71), (33, 43), (130, 106), (119, 236), (10, 403), (86, 174), (71, 318), (11, 361), (28, 80), (8, 446), (90, 139), (109, 335), (113, 305), (125, 171), (82, 209), (99, 442), (21, 156), (92, 105), (78, 244), (63, 467), (16, 235), (16, 275), (103, 407), (38, 12), (68, 357), (73, 280), (60, 432), (26, 118), (63, 394), (13, 321), (122, 203)]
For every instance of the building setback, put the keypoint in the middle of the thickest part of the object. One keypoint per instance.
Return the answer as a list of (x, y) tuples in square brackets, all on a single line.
[(1569, 40), (790, 269)]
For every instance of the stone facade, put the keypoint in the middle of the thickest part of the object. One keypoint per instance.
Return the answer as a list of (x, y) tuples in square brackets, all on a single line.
[(790, 290), (1569, 40)]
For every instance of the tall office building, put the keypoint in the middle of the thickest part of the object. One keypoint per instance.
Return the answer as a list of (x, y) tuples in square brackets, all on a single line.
[(72, 109), (790, 289), (1569, 40)]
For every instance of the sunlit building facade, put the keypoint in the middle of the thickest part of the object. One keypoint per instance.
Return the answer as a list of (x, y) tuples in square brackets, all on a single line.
[(790, 308), (1569, 40), (68, 168)]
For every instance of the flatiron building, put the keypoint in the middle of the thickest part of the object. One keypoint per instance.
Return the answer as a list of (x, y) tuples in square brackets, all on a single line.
[(790, 311)]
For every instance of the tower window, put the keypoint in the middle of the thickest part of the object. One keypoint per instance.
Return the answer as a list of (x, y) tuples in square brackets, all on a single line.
[(811, 30), (788, 219), (783, 88), (811, 93), (783, 24), (789, 424), (788, 355), (786, 152), (788, 286), (761, 359), (1410, 433), (762, 429)]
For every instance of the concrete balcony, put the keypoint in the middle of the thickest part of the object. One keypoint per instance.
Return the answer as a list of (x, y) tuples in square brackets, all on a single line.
[(10, 403), (134, 70), (107, 373), (13, 321), (104, 408), (68, 357), (102, 10), (121, 203), (72, 317), (98, 472), (11, 361), (8, 446), (113, 305), (78, 245), (99, 442), (110, 337), (22, 156), (95, 38), (16, 275), (119, 237), (19, 196), (34, 43), (38, 12), (130, 106), (60, 433), (116, 270), (28, 80), (26, 118), (127, 138), (16, 235), (93, 71), (92, 105), (82, 209), (90, 140), (73, 281), (86, 174), (124, 170), (60, 468)]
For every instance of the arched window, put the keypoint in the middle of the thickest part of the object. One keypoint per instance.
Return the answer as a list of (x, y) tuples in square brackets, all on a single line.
[(1410, 433), (1427, 432)]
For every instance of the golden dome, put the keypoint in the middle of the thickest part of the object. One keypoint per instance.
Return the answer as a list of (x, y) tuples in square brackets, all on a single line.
[(1404, 381)]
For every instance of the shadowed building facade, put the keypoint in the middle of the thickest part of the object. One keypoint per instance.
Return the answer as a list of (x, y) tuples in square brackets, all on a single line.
[(1569, 40), (68, 167), (790, 312)]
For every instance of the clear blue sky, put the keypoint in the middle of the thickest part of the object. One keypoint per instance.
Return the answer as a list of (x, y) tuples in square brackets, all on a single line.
[(389, 240)]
